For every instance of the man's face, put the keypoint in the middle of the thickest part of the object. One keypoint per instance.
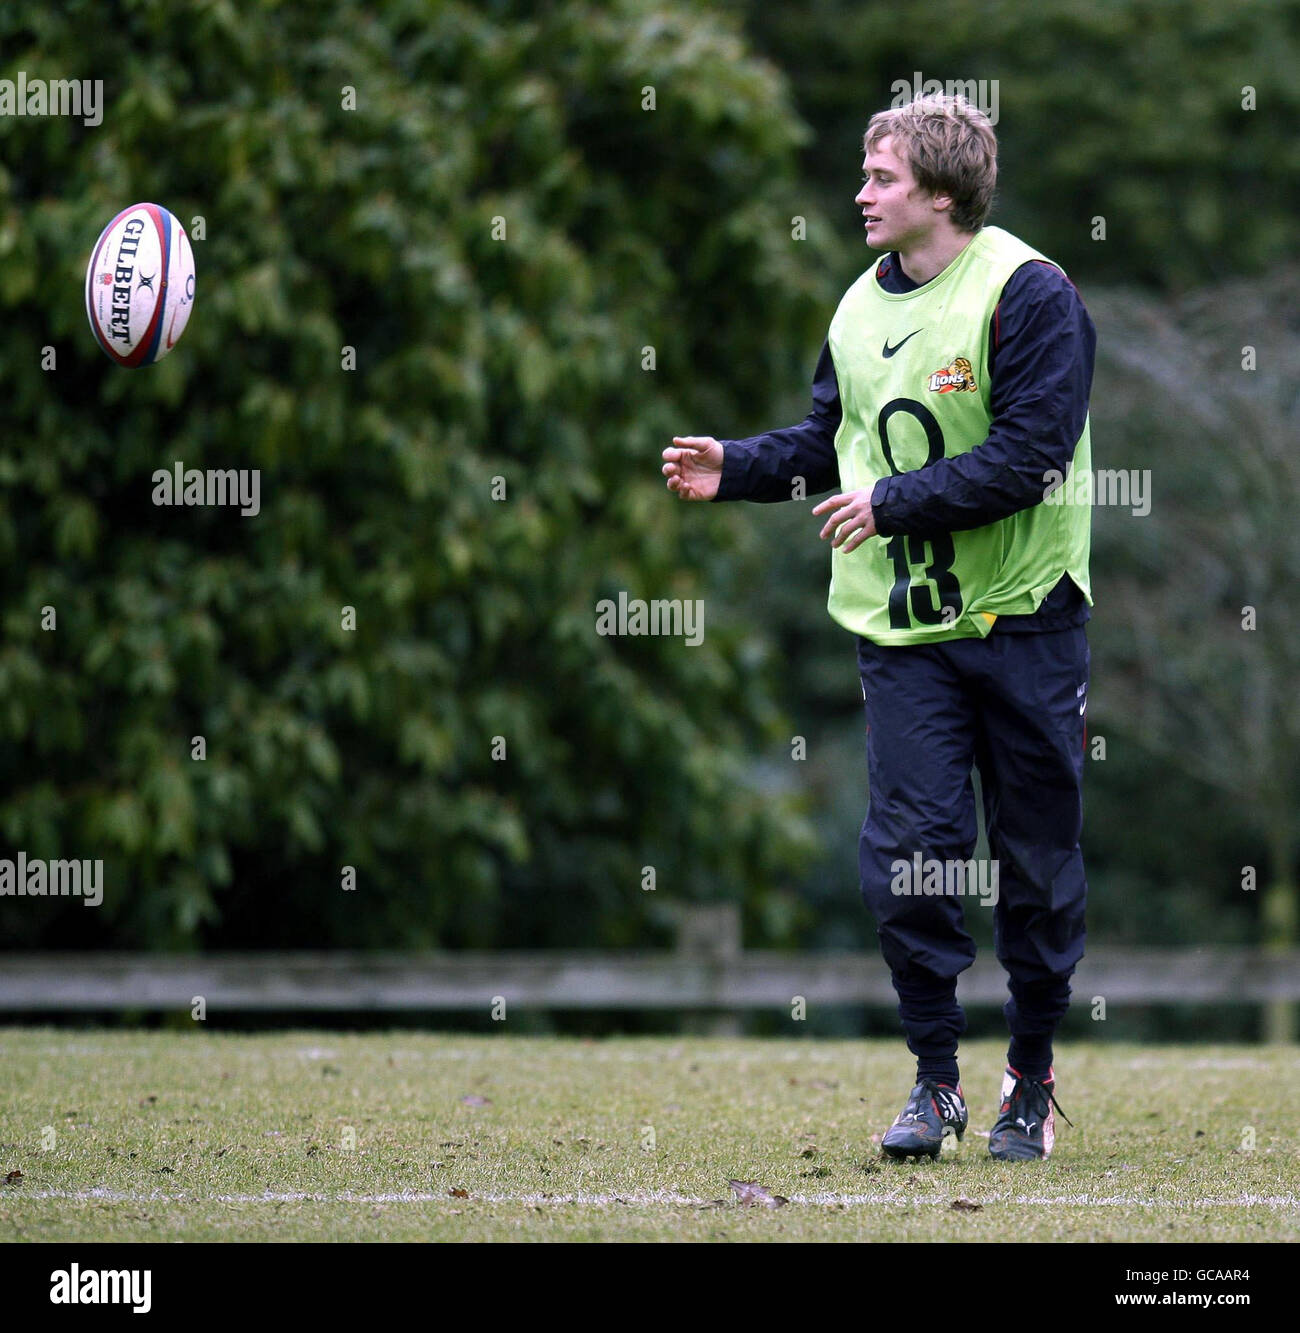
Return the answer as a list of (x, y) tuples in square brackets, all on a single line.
[(900, 215)]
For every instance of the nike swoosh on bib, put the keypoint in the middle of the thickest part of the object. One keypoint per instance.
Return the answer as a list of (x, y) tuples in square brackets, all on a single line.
[(888, 351)]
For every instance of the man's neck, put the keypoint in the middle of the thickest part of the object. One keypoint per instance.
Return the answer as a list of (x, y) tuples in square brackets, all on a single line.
[(930, 259)]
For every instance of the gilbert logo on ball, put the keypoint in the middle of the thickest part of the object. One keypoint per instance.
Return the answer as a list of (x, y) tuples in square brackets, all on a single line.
[(140, 285)]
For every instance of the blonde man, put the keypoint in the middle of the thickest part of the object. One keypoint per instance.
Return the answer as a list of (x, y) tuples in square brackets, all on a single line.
[(952, 386)]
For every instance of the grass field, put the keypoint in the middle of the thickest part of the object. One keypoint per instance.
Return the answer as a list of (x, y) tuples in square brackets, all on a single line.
[(166, 1136)]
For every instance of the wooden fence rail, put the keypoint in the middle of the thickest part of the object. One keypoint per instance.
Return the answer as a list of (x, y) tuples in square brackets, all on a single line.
[(704, 975)]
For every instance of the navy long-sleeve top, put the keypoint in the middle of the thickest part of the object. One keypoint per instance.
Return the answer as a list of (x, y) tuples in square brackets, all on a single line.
[(1042, 345)]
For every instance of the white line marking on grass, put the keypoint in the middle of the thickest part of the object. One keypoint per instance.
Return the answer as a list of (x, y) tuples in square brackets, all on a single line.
[(1065, 1200), (101, 1194)]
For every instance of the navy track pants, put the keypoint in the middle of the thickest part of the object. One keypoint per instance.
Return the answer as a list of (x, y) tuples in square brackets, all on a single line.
[(1011, 704)]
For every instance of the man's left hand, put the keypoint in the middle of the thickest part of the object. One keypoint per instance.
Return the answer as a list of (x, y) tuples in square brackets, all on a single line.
[(851, 515)]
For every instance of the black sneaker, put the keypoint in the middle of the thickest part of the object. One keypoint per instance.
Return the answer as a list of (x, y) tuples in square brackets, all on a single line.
[(934, 1111), (1026, 1128)]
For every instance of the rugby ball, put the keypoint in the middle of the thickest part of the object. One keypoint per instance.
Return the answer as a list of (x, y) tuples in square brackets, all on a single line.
[(140, 285)]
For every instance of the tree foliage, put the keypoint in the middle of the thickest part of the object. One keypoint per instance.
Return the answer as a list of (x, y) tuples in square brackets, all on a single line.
[(507, 236), (1168, 120), (499, 230)]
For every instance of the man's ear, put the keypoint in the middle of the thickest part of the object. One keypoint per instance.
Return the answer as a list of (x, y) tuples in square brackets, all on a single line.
[(942, 203)]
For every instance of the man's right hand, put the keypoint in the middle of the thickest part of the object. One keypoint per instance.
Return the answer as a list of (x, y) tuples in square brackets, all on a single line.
[(694, 468)]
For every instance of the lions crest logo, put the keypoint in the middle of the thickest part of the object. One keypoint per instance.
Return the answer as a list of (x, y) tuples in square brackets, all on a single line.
[(956, 378)]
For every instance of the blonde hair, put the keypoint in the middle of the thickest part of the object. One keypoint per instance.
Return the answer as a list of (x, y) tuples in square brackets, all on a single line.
[(950, 145)]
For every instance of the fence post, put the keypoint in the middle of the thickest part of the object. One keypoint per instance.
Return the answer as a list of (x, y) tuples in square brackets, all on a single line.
[(709, 932)]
